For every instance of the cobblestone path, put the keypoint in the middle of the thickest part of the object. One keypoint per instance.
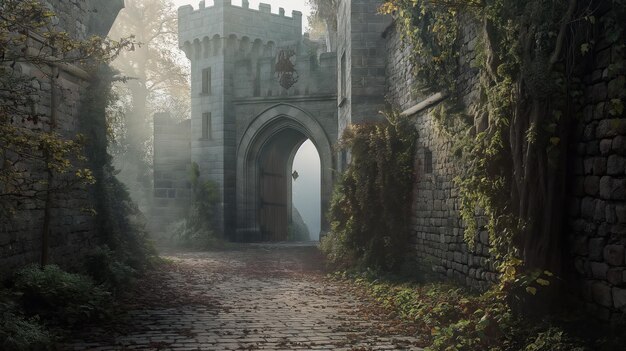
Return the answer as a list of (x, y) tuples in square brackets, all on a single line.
[(252, 298)]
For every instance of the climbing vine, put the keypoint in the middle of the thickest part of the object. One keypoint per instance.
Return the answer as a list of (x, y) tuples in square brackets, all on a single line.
[(198, 228), (370, 209), (531, 56)]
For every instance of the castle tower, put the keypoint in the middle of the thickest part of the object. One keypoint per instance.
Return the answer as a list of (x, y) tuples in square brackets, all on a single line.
[(215, 38)]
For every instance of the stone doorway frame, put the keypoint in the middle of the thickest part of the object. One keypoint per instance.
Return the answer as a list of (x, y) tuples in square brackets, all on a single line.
[(263, 128)]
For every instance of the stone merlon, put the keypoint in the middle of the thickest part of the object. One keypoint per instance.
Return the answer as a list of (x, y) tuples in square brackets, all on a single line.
[(207, 22)]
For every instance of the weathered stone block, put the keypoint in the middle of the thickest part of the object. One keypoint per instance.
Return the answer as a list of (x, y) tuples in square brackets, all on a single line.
[(592, 185), (589, 132), (602, 294), (599, 163), (596, 248), (615, 165), (588, 207), (619, 145), (606, 187), (600, 211), (599, 270), (614, 255), (603, 229), (618, 230), (611, 217), (608, 128), (605, 146), (619, 298), (618, 189), (615, 276), (616, 88)]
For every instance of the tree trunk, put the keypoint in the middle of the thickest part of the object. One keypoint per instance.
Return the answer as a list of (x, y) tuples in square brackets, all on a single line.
[(47, 214)]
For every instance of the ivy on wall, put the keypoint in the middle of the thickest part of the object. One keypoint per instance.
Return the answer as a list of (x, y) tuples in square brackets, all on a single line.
[(531, 59), (371, 206)]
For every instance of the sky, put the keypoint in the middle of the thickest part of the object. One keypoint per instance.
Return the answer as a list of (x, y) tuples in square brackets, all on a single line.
[(288, 5), (306, 189)]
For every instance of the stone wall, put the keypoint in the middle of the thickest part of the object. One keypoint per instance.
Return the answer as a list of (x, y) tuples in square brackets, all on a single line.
[(596, 225), (437, 230), (597, 210), (360, 63), (74, 230)]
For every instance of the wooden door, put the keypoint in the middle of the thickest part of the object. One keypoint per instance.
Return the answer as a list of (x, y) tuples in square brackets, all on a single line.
[(273, 216)]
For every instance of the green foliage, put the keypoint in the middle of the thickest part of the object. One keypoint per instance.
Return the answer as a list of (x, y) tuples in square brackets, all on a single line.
[(370, 209), (324, 11), (198, 228), (18, 332), (108, 270), (553, 339), (451, 318), (122, 225), (432, 30), (531, 56), (56, 295)]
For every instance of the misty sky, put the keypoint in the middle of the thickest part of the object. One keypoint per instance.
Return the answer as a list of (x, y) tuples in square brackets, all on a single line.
[(288, 5), (307, 188)]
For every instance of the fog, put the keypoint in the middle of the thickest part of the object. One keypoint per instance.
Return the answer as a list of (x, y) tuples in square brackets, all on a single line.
[(156, 79), (307, 188)]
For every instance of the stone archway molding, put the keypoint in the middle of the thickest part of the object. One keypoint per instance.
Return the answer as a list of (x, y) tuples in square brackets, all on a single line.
[(259, 132)]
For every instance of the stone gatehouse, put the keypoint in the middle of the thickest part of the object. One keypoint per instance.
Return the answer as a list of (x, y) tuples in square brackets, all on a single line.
[(246, 127)]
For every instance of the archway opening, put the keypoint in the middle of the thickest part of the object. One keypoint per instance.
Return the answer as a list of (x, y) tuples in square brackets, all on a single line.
[(265, 167), (289, 192), (306, 193)]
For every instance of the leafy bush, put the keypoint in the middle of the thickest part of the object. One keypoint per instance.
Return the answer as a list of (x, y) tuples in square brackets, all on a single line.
[(123, 225), (107, 269), (451, 318), (60, 296), (18, 332), (553, 339), (370, 209), (198, 228)]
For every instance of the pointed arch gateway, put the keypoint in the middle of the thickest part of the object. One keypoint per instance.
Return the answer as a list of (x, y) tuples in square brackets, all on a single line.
[(265, 156)]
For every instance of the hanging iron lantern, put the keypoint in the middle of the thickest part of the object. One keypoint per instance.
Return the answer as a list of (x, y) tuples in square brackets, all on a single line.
[(285, 69)]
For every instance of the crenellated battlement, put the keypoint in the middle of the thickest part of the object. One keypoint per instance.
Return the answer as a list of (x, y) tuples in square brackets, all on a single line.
[(225, 20)]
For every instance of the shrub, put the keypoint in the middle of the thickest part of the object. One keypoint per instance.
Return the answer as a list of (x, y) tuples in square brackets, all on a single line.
[(553, 339), (60, 296), (122, 224), (370, 209), (107, 269), (198, 228), (451, 318), (18, 332)]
